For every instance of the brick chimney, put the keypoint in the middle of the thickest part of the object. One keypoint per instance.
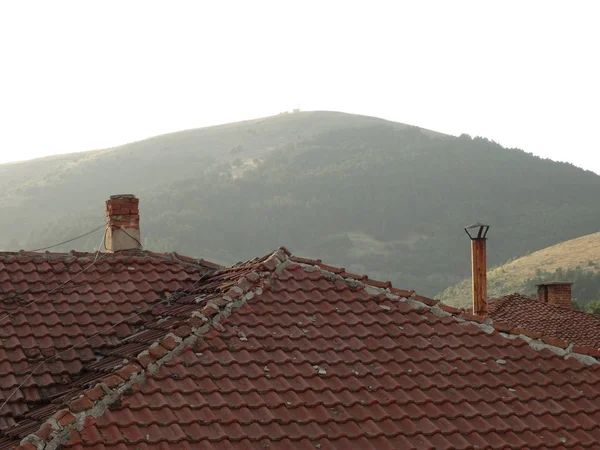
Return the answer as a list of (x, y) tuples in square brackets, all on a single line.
[(557, 294), (123, 232)]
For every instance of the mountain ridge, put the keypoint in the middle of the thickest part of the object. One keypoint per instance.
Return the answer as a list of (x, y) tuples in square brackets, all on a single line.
[(375, 196)]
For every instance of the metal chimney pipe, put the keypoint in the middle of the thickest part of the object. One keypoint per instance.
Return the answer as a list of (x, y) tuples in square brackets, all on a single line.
[(479, 267)]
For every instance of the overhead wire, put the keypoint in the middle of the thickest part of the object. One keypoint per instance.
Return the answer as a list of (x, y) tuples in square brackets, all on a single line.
[(174, 297), (42, 293), (70, 280), (30, 290), (18, 294), (103, 243), (132, 237), (68, 240), (97, 258)]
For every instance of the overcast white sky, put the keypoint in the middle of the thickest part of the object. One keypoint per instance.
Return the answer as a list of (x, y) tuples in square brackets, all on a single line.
[(83, 75)]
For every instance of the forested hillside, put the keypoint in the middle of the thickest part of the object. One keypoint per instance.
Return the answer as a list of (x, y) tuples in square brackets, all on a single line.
[(373, 196)]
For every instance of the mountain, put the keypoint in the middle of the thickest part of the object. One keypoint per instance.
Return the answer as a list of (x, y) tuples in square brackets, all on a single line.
[(576, 260), (374, 196)]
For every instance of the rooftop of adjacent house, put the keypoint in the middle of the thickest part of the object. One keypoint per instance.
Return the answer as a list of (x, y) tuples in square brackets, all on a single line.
[(286, 352), (556, 324), (51, 301)]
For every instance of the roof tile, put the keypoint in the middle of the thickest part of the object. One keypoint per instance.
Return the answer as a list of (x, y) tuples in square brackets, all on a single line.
[(310, 361), (531, 317), (50, 304), (290, 376)]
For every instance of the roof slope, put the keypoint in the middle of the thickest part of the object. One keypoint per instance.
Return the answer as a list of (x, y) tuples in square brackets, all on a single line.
[(569, 325), (284, 352), (51, 302)]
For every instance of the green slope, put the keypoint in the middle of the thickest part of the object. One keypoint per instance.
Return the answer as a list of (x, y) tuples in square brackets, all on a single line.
[(371, 195)]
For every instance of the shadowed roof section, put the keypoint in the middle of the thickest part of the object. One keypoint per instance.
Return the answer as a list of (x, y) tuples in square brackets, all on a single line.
[(568, 325), (283, 352), (50, 302)]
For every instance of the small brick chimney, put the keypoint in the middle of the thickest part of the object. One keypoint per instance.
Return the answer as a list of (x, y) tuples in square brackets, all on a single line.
[(557, 294), (123, 233)]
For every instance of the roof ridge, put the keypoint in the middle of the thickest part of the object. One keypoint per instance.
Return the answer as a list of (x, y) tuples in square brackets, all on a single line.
[(172, 256), (499, 302), (107, 391), (93, 402), (517, 296), (536, 340)]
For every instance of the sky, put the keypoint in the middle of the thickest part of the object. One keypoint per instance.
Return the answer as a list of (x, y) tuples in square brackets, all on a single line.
[(78, 76)]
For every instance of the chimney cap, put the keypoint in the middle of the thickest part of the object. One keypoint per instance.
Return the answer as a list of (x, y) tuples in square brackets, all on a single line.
[(483, 229), (555, 283), (112, 197)]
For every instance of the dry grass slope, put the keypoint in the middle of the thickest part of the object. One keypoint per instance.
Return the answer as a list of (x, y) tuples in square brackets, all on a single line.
[(510, 277)]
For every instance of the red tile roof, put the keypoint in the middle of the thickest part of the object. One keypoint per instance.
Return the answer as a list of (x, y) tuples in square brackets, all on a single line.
[(568, 325), (50, 302), (284, 352)]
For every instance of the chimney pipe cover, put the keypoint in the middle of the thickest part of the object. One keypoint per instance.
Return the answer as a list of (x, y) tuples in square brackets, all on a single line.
[(481, 233)]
